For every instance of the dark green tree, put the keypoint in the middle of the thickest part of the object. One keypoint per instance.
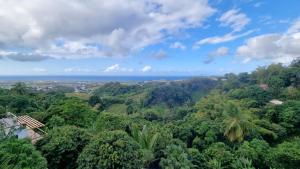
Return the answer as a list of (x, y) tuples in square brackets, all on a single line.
[(55, 121), (94, 100), (111, 121), (256, 151), (175, 158), (113, 149), (2, 111), (73, 111), (218, 155), (62, 146), (286, 155), (20, 154)]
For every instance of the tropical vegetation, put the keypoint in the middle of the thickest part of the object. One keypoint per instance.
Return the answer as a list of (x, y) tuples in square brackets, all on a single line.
[(235, 121)]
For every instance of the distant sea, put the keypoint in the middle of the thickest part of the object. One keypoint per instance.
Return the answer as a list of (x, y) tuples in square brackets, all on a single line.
[(91, 78)]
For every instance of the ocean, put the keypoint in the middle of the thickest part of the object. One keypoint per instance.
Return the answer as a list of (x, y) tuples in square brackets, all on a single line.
[(92, 78)]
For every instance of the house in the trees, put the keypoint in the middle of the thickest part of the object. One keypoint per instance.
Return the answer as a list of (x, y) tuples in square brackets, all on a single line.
[(276, 102), (22, 127)]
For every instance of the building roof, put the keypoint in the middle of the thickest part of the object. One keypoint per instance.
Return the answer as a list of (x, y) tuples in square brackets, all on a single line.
[(276, 102), (23, 127), (29, 122)]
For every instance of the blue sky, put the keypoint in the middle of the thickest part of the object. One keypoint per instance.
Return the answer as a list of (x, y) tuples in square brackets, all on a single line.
[(146, 37)]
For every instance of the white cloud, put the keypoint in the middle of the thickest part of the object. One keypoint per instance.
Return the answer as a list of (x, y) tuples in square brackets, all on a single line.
[(6, 53), (220, 39), (147, 68), (247, 60), (117, 68), (278, 48), (78, 29), (221, 51), (294, 28), (72, 50), (178, 45), (112, 68), (161, 54), (234, 19)]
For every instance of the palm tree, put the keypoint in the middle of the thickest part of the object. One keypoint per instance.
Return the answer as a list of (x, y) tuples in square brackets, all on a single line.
[(236, 123), (146, 140)]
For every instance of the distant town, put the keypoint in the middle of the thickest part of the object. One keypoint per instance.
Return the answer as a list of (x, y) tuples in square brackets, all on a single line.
[(87, 86), (46, 86)]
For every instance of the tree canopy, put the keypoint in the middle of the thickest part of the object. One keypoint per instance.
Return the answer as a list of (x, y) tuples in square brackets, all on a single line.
[(245, 120), (20, 154)]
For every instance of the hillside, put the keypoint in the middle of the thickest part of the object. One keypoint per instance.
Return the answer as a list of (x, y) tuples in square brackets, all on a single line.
[(246, 120)]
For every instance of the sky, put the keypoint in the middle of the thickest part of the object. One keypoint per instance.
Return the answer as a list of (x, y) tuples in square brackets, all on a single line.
[(146, 37)]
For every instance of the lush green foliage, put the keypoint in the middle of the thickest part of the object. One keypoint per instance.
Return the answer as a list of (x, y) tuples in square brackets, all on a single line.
[(114, 149), (214, 123), (147, 142), (176, 158), (286, 154), (20, 154), (62, 146)]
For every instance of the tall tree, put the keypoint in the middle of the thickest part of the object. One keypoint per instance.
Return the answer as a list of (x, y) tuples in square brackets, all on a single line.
[(62, 146), (236, 123), (146, 140), (113, 149)]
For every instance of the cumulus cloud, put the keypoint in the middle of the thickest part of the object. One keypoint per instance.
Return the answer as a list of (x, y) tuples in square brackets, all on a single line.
[(178, 45), (221, 51), (147, 68), (234, 19), (117, 68), (221, 39), (161, 54), (78, 29), (278, 48)]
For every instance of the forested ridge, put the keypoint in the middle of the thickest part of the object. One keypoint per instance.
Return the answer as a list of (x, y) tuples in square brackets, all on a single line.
[(238, 121)]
